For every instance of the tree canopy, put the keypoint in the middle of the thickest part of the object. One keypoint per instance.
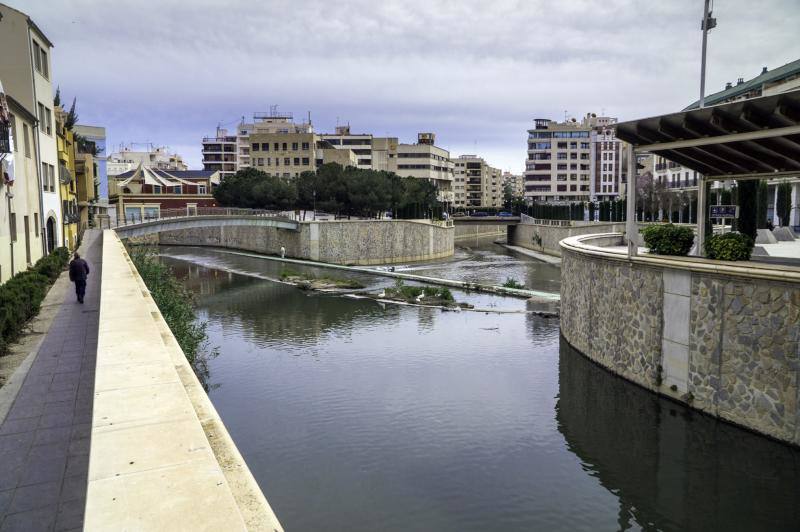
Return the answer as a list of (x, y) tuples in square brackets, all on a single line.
[(332, 188)]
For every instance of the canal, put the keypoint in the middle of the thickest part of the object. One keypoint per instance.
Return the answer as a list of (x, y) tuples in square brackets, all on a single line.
[(360, 416)]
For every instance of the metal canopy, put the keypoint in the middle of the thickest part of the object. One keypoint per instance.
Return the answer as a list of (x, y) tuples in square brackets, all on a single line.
[(748, 139)]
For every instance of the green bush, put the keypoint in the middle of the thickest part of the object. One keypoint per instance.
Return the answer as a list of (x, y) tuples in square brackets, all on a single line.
[(668, 239), (22, 295), (53, 264), (730, 246)]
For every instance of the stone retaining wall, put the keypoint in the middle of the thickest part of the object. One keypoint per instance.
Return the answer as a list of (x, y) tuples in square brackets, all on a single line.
[(336, 242), (545, 238), (725, 342)]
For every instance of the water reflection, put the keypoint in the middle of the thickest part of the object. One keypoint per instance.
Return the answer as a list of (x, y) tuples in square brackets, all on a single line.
[(672, 468)]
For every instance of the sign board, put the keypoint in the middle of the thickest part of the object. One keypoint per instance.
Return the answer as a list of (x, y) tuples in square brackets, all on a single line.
[(724, 211)]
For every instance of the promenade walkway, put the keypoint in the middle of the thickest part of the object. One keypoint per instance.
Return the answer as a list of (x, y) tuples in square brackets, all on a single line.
[(44, 439)]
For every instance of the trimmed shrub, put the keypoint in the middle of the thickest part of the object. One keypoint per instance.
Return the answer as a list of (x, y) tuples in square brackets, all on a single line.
[(53, 264), (730, 246), (512, 283), (668, 239)]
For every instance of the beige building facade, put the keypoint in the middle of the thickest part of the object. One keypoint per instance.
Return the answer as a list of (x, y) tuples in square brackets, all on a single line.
[(20, 221), (475, 183), (425, 160)]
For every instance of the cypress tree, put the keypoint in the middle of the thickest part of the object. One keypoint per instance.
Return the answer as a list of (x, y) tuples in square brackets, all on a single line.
[(761, 209), (747, 192), (784, 203)]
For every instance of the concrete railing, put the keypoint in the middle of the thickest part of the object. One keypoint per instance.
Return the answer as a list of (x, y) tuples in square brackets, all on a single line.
[(722, 337), (160, 455)]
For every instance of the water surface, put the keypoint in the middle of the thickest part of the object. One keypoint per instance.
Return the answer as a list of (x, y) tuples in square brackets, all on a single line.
[(359, 416)]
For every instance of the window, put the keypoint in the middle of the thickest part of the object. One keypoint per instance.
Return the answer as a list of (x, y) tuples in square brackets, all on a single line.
[(305, 146), (27, 228), (37, 57), (562, 156), (265, 146), (26, 140), (45, 178), (36, 223), (13, 226), (297, 161), (573, 145), (156, 189), (178, 190), (255, 146), (201, 189), (562, 166), (277, 161), (294, 146), (584, 145), (287, 161), (574, 155), (562, 145), (269, 160), (260, 161), (306, 161), (276, 146), (285, 147), (45, 70)]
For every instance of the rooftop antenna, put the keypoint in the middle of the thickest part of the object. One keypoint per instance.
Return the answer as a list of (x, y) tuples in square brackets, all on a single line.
[(565, 115)]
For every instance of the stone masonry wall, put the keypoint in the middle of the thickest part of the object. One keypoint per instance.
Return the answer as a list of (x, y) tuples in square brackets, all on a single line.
[(339, 242), (744, 337)]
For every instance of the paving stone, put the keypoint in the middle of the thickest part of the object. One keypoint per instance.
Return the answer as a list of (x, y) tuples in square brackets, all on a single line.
[(41, 470), (28, 521), (35, 496)]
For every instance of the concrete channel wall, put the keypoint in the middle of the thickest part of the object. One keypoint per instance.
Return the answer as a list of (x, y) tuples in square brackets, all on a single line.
[(361, 242), (469, 231), (160, 456), (723, 338), (546, 238)]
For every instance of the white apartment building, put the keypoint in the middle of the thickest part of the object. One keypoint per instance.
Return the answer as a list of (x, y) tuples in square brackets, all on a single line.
[(475, 183), (25, 70), (160, 158), (608, 160), (425, 160)]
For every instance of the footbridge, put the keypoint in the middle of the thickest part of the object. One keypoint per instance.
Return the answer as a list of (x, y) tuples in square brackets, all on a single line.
[(209, 217)]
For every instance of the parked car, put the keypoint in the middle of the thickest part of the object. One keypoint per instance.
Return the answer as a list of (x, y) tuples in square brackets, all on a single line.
[(480, 214), (504, 214), (458, 214)]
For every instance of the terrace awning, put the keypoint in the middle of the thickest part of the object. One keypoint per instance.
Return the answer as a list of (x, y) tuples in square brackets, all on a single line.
[(757, 138), (750, 139)]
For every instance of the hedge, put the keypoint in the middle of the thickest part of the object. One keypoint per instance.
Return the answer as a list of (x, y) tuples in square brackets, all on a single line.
[(22, 295), (668, 239), (730, 246)]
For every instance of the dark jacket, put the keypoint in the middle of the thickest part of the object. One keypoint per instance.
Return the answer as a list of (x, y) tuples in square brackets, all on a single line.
[(78, 270)]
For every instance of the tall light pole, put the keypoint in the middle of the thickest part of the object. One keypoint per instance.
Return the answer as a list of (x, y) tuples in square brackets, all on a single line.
[(707, 24)]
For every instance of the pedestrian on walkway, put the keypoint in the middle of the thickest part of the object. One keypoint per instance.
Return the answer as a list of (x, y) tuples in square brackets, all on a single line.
[(78, 271)]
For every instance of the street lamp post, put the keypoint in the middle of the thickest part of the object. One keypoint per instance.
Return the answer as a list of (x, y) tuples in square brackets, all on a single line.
[(707, 24)]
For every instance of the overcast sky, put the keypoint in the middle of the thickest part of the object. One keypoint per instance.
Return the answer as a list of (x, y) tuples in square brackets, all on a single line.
[(475, 72)]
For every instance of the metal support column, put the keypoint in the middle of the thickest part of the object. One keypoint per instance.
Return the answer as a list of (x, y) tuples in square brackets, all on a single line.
[(701, 215), (631, 229)]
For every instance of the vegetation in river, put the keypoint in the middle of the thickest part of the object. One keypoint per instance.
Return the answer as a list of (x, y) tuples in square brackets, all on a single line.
[(312, 282), (176, 304), (512, 283), (430, 295)]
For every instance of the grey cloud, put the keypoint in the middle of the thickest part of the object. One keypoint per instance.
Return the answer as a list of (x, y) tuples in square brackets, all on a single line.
[(470, 70)]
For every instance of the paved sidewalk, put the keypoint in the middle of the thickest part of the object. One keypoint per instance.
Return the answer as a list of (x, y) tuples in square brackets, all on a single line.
[(44, 439)]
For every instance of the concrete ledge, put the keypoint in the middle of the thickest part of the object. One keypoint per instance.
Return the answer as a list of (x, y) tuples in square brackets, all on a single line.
[(160, 454), (746, 269)]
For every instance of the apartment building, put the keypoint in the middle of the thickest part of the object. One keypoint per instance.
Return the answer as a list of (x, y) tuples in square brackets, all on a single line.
[(21, 242), (95, 138), (558, 167), (65, 141), (475, 183), (374, 153), (283, 154), (228, 153), (516, 182), (608, 160), (25, 70), (425, 160), (127, 159)]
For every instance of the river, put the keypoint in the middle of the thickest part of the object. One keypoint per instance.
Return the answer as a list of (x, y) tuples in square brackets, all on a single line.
[(360, 416)]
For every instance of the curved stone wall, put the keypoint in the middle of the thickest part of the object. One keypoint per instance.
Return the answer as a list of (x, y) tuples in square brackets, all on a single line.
[(723, 338), (361, 242)]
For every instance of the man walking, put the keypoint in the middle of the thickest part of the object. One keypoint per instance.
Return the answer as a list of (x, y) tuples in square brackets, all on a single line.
[(78, 271)]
